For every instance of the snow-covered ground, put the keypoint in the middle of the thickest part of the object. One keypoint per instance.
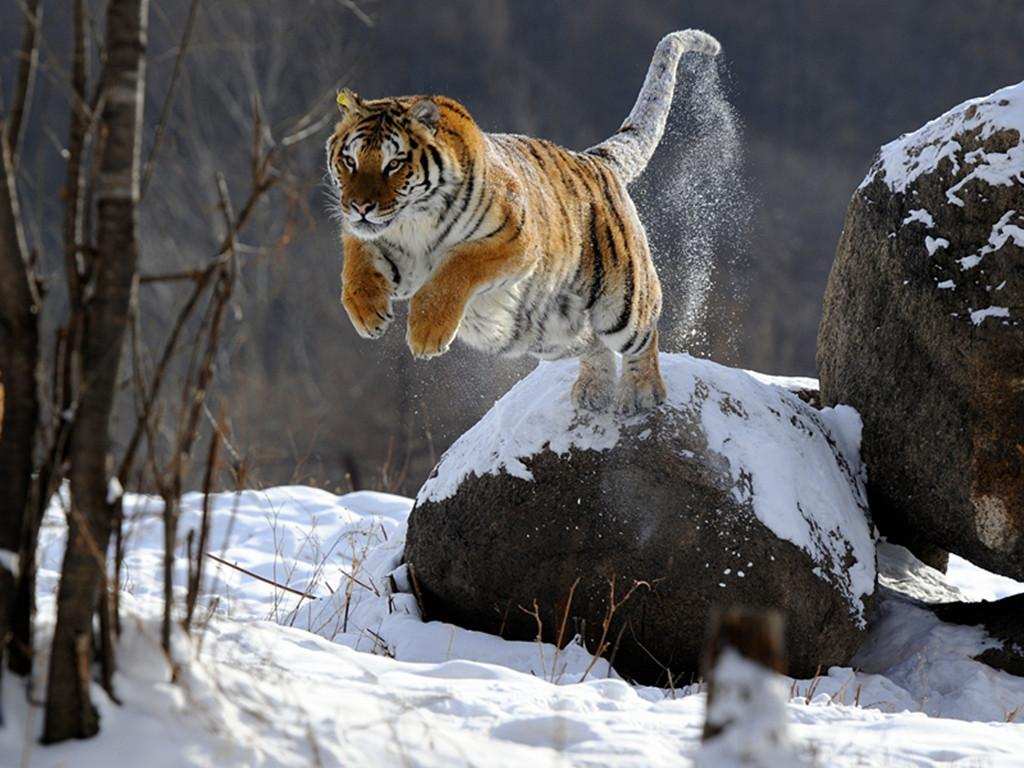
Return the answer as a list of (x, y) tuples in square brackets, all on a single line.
[(353, 678)]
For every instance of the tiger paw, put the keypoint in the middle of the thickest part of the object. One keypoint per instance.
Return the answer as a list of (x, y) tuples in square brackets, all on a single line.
[(428, 339), (637, 395), (592, 392), (433, 322), (369, 308)]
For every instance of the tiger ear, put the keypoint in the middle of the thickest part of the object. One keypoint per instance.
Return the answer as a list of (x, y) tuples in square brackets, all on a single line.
[(349, 103), (424, 111)]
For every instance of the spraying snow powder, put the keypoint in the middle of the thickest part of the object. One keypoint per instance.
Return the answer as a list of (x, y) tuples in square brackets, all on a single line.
[(694, 204)]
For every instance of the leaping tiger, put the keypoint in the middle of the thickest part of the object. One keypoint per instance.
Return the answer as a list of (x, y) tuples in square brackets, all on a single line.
[(510, 243)]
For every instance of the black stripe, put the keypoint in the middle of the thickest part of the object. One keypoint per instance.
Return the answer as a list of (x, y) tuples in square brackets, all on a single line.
[(597, 278), (614, 202), (612, 245), (536, 155), (554, 151), (456, 109), (396, 276), (454, 134), (425, 168), (451, 200), (497, 229), (483, 215), (465, 204), (629, 343), (436, 157), (518, 230), (627, 298), (643, 342)]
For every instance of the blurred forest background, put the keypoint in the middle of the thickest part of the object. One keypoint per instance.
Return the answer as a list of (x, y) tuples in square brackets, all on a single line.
[(306, 399)]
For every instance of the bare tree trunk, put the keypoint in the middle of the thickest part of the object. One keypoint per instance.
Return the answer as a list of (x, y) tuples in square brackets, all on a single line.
[(19, 358), (19, 344), (69, 709), (50, 471)]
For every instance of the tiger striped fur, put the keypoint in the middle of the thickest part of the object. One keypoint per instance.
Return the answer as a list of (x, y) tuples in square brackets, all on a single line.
[(510, 243)]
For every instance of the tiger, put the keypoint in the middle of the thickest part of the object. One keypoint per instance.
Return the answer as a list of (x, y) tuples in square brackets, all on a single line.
[(512, 244)]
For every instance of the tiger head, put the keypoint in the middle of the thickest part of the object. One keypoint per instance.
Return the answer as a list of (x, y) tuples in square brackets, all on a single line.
[(382, 159)]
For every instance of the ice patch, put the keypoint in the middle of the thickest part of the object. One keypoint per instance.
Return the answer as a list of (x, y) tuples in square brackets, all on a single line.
[(946, 285)]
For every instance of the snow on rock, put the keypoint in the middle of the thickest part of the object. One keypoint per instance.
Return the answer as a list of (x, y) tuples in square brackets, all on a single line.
[(921, 215), (798, 467), (915, 154), (978, 315), (1003, 232), (932, 244)]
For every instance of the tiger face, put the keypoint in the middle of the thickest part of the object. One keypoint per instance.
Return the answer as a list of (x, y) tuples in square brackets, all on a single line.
[(382, 160)]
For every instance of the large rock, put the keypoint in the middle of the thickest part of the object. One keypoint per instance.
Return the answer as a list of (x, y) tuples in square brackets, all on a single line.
[(922, 332), (1003, 622), (734, 493)]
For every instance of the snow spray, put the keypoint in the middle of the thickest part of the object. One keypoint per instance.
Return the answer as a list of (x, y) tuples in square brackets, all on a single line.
[(695, 207)]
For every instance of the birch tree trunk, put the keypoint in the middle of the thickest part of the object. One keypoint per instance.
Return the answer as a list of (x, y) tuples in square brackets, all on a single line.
[(69, 709)]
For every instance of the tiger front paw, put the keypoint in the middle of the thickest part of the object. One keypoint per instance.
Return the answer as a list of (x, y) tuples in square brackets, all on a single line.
[(369, 308), (427, 340), (432, 326)]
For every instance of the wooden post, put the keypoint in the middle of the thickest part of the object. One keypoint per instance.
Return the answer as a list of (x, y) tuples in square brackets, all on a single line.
[(756, 636)]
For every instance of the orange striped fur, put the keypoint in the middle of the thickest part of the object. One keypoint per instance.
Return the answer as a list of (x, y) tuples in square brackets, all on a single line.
[(512, 244)]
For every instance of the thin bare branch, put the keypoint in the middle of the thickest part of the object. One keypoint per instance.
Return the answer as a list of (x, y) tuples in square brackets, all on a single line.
[(264, 579), (165, 110), (356, 11), (29, 59)]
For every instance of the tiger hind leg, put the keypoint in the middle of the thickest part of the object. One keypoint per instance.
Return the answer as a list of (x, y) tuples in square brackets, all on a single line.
[(641, 387), (595, 385)]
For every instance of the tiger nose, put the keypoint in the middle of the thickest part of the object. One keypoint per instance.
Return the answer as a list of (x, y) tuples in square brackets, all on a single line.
[(362, 208)]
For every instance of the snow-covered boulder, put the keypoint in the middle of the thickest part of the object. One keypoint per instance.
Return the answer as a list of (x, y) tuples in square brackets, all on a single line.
[(735, 492), (923, 332)]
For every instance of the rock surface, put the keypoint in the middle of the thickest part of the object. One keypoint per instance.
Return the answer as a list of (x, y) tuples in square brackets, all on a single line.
[(1003, 622), (923, 332), (733, 493)]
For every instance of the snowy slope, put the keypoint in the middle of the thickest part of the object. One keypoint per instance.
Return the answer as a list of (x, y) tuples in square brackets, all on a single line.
[(384, 689)]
